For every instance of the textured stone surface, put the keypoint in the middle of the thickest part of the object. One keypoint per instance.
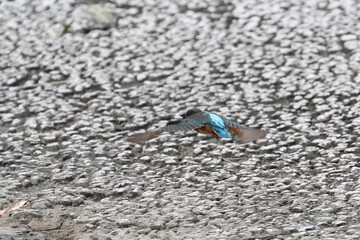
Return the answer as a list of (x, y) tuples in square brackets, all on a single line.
[(67, 103)]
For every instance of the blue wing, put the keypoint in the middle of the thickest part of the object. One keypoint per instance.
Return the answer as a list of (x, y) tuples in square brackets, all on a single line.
[(218, 124)]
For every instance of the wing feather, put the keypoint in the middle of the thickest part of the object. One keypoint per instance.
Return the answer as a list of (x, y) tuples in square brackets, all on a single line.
[(250, 135), (245, 133), (234, 124), (191, 122), (142, 138)]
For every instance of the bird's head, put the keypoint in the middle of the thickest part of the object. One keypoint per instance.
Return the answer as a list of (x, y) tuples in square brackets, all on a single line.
[(190, 112)]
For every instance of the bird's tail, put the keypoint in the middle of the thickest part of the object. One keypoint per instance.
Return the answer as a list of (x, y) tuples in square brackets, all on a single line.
[(142, 138), (247, 135)]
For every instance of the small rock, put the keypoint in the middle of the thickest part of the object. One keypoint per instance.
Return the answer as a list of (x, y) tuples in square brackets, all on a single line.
[(124, 223)]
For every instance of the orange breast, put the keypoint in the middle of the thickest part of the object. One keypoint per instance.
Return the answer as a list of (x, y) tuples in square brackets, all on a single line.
[(206, 129)]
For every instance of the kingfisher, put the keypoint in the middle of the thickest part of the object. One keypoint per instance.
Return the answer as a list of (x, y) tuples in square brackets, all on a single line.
[(206, 123)]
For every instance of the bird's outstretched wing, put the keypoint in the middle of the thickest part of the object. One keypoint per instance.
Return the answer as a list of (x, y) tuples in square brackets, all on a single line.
[(142, 138), (188, 122), (245, 133), (193, 119), (234, 124)]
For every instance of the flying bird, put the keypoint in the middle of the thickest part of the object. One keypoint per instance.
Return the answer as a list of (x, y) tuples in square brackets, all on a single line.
[(206, 123)]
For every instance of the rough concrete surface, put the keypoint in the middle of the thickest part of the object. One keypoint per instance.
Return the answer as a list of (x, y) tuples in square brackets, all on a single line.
[(68, 102)]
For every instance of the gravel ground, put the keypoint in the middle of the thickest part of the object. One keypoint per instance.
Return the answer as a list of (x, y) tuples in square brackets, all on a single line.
[(68, 102)]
